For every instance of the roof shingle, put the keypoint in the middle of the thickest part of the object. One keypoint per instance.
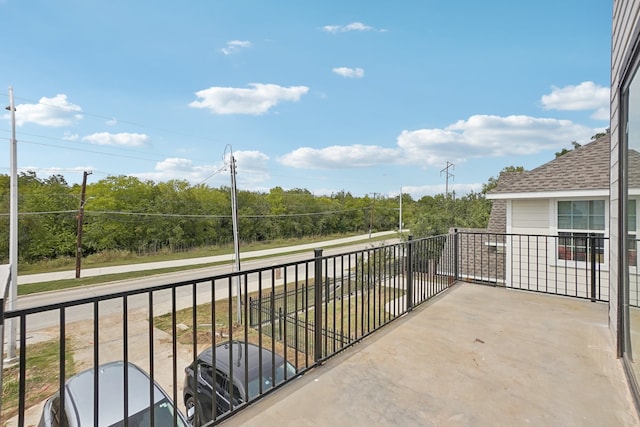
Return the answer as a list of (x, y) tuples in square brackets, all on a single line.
[(585, 168)]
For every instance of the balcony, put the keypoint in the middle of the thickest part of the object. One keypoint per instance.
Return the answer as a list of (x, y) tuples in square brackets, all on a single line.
[(475, 355), (404, 334)]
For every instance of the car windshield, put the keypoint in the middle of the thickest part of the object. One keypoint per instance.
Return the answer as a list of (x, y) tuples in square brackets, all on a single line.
[(163, 416), (267, 381)]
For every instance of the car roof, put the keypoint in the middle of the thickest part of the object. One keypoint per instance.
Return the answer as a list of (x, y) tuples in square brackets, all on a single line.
[(79, 389), (236, 352)]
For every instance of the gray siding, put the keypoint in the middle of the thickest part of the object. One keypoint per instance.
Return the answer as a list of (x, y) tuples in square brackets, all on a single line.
[(530, 216), (625, 21)]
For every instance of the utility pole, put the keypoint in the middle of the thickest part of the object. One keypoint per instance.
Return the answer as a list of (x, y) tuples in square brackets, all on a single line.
[(447, 175), (400, 216), (13, 233), (236, 237), (80, 221), (373, 205)]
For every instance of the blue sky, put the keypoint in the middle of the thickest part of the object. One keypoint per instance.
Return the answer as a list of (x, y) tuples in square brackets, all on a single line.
[(362, 96)]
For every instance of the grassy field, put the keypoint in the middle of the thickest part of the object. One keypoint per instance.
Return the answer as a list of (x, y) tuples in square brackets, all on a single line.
[(41, 376)]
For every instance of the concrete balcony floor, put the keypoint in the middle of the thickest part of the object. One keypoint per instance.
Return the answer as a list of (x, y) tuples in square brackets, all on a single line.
[(474, 356)]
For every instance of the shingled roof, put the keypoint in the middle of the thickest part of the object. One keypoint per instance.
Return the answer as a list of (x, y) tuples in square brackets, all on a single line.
[(585, 168)]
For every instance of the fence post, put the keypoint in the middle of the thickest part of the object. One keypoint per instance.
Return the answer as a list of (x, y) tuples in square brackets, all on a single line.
[(5, 283), (317, 286), (455, 255), (409, 282), (592, 249)]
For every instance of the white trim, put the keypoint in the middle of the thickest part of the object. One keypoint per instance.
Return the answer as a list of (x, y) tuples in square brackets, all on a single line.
[(551, 194), (508, 258), (495, 244)]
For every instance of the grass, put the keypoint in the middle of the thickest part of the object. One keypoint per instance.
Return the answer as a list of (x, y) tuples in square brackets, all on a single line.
[(219, 331), (42, 376), (360, 315)]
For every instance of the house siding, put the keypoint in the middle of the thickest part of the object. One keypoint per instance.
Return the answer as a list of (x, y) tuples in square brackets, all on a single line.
[(626, 15), (530, 216)]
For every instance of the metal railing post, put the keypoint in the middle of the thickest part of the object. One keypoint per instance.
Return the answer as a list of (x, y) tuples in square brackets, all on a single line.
[(592, 249), (409, 284), (455, 255), (317, 285), (5, 283)]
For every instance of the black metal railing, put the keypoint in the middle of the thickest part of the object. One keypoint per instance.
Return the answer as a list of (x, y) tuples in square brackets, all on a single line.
[(575, 266), (297, 314)]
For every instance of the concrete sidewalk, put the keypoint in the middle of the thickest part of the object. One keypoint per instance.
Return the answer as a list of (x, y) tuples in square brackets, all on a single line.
[(475, 356)]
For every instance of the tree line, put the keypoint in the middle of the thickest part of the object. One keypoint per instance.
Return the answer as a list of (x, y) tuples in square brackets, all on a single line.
[(124, 213)]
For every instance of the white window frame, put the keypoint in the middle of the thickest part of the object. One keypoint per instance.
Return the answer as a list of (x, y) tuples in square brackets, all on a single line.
[(633, 267), (560, 262)]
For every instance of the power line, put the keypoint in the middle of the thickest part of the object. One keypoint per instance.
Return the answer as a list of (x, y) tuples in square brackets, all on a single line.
[(203, 216), (127, 122)]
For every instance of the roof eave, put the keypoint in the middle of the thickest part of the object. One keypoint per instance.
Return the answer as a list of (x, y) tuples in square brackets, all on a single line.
[(601, 192)]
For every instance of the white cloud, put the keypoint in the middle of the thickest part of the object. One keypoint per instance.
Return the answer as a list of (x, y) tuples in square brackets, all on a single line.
[(53, 112), (477, 137), (68, 136), (418, 191), (339, 157), (349, 72), (585, 96), (180, 169), (251, 167), (354, 26), (602, 114), (256, 101), (234, 46), (111, 122), (119, 139), (251, 170), (55, 170)]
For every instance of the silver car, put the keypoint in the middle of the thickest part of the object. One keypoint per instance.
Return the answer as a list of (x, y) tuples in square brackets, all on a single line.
[(79, 400)]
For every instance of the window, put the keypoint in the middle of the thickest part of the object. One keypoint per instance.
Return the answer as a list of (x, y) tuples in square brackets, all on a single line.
[(581, 225), (223, 384), (206, 373)]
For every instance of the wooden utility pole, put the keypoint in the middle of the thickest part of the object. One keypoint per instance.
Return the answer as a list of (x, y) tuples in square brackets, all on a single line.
[(236, 235), (400, 215), (80, 221)]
